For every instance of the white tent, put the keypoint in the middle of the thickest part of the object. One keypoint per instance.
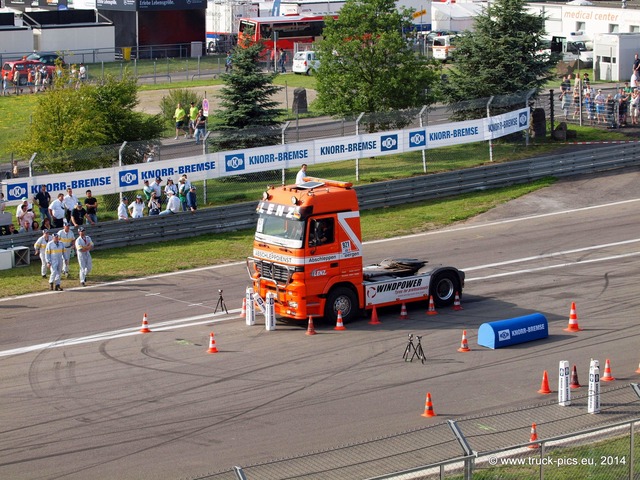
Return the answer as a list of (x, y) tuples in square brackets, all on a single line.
[(453, 16)]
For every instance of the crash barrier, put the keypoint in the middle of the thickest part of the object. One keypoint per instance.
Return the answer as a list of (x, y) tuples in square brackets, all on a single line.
[(512, 331), (463, 447), (376, 195)]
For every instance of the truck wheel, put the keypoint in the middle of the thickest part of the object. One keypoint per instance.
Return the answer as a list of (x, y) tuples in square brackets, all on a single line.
[(443, 288), (342, 299)]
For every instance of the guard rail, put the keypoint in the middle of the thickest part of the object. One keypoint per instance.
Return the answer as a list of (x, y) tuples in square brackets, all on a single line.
[(383, 194)]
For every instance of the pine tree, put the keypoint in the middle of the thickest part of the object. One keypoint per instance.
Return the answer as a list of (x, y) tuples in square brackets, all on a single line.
[(248, 115), (501, 56)]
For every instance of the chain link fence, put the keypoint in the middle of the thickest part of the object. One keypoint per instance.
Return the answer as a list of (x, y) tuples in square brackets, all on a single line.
[(571, 443)]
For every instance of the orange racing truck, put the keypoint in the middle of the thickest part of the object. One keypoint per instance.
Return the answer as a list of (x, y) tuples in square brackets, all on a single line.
[(307, 251)]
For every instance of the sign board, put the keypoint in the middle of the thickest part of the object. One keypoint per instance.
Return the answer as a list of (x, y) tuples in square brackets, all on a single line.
[(205, 107)]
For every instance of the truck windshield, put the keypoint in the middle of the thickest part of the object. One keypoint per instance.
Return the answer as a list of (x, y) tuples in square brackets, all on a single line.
[(276, 230)]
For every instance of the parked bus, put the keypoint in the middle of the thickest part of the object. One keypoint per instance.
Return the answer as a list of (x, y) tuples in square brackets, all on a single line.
[(289, 30)]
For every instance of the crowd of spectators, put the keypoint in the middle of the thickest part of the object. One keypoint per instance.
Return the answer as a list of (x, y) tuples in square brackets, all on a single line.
[(156, 200)]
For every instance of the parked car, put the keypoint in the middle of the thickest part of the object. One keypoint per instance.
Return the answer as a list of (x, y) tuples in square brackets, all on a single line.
[(23, 66), (304, 62), (48, 58)]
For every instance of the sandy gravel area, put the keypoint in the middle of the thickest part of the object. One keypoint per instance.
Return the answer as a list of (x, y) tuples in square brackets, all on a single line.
[(150, 100)]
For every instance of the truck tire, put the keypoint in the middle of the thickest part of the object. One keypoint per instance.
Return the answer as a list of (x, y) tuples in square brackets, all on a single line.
[(444, 287), (343, 299)]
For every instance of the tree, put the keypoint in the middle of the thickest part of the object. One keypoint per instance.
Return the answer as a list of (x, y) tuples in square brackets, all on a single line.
[(366, 65), (67, 120), (248, 116), (500, 57)]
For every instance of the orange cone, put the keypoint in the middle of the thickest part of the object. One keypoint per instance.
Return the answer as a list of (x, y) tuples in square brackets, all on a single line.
[(544, 387), (432, 307), (573, 320), (212, 344), (374, 317), (428, 407), (403, 312), (464, 345), (310, 329), (456, 302), (574, 383), (638, 369), (339, 324), (243, 310), (607, 377), (534, 437), (145, 325)]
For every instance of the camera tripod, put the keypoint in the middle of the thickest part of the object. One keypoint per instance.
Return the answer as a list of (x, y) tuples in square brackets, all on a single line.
[(221, 304), (417, 350)]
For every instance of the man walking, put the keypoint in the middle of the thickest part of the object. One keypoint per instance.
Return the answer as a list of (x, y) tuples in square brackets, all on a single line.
[(84, 245), (53, 254), (40, 246), (43, 198)]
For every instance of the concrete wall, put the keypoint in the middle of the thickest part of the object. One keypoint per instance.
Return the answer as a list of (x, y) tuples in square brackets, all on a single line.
[(66, 39), (15, 39)]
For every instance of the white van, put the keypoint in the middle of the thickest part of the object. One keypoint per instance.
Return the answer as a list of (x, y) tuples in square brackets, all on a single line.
[(570, 47), (305, 62), (443, 47)]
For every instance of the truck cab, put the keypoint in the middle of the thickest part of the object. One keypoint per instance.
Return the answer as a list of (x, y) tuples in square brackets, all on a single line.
[(308, 252)]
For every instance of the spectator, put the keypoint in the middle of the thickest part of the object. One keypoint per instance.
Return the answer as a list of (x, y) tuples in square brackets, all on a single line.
[(186, 181), (82, 73), (46, 224), (201, 127), (179, 116), (622, 102), (137, 207), (11, 229), (84, 245), (589, 107), (35, 226), (3, 203), (301, 174), (39, 248), (157, 188), (66, 239), (123, 213), (635, 74), (25, 226), (170, 186), (635, 106), (193, 116), (611, 111), (600, 106), (182, 193), (173, 205), (565, 101), (5, 85), (228, 63), (43, 199), (53, 254), (16, 81), (192, 203), (78, 215), (91, 204), (70, 202), (150, 155), (20, 211), (147, 190), (282, 60), (576, 100), (57, 211), (154, 205)]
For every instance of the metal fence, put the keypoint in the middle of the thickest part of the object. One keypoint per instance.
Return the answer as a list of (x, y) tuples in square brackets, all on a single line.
[(494, 445)]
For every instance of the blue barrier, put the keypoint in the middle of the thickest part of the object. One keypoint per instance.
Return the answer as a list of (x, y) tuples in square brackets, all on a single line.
[(512, 331)]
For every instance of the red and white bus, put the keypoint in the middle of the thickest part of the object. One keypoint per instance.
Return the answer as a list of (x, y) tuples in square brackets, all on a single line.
[(289, 29)]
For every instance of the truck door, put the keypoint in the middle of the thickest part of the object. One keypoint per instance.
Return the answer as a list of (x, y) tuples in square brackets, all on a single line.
[(323, 252)]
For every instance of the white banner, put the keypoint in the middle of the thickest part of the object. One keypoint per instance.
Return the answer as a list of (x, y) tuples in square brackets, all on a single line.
[(276, 157)]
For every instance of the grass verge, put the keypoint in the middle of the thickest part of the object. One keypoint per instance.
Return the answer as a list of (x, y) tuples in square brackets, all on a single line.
[(143, 260)]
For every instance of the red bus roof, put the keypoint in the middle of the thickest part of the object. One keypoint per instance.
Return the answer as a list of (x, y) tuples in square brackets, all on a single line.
[(286, 18)]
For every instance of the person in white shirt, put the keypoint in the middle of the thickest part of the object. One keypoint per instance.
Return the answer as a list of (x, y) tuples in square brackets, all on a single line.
[(137, 208), (157, 187), (301, 174), (123, 213), (66, 239), (173, 204), (70, 202), (57, 211)]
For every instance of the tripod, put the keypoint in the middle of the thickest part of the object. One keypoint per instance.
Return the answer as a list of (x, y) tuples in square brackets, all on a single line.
[(416, 349), (220, 304)]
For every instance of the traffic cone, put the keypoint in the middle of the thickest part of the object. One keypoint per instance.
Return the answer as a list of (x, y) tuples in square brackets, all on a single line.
[(573, 383), (374, 317), (243, 310), (573, 320), (456, 302), (607, 377), (212, 344), (145, 325), (432, 307), (544, 387), (403, 312), (638, 369), (464, 345), (428, 407), (533, 437), (339, 324), (310, 329)]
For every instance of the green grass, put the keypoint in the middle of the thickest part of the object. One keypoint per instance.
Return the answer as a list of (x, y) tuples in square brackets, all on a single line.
[(136, 261)]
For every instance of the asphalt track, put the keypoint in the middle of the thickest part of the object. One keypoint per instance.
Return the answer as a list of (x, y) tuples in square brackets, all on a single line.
[(84, 395)]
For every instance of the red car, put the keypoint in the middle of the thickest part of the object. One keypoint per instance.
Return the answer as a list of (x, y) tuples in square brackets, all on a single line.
[(23, 66)]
